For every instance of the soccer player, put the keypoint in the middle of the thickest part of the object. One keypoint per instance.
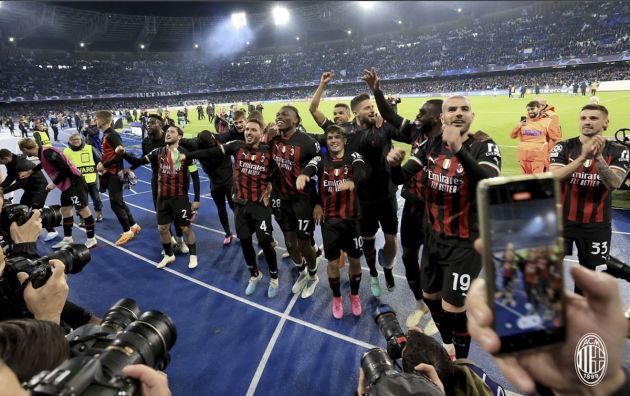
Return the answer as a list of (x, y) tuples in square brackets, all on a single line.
[(109, 170), (292, 150), (426, 125), (454, 162), (236, 131), (341, 111), (68, 179), (253, 171), (338, 173), (590, 168), (173, 180), (537, 136)]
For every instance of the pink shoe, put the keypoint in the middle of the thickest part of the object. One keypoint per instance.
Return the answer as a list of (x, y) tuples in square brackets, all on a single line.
[(355, 303), (337, 307), (227, 240)]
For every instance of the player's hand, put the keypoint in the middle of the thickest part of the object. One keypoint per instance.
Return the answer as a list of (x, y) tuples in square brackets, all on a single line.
[(371, 79), (301, 181), (272, 131), (600, 313), (25, 174), (47, 302), (266, 195), (318, 214), (154, 383), (395, 157), (50, 186), (452, 137), (379, 121), (120, 150), (589, 149), (600, 143), (100, 167), (326, 78), (347, 185), (195, 210)]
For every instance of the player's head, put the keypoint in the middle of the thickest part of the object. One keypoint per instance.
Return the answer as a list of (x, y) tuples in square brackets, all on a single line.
[(6, 156), (457, 111), (173, 135), (533, 109), (541, 101), (206, 139), (428, 116), (75, 140), (155, 124), (28, 146), (103, 119), (341, 113), (287, 118), (335, 138), (253, 131), (239, 120), (593, 119), (363, 110)]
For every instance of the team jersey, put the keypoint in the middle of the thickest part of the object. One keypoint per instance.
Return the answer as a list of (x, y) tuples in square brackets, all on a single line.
[(331, 172), (536, 137), (449, 193), (253, 168), (111, 140), (586, 200), (413, 188), (173, 177), (291, 156)]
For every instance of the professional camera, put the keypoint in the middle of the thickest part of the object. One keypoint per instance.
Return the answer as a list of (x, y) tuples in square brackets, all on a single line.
[(51, 217), (617, 268), (379, 365), (99, 353)]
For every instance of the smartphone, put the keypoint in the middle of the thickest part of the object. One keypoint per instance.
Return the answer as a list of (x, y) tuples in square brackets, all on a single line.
[(523, 118), (521, 228)]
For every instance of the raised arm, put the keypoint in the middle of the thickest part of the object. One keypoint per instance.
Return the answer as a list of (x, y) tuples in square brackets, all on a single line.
[(317, 114)]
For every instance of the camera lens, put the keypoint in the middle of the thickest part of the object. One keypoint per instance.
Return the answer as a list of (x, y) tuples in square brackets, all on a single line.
[(51, 216), (121, 314), (74, 257), (375, 363), (390, 328)]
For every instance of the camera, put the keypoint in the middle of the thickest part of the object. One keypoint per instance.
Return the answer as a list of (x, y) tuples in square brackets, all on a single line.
[(379, 365), (99, 353), (617, 268), (17, 213)]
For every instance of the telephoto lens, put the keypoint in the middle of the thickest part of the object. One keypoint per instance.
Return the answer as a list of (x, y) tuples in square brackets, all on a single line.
[(74, 257), (375, 363), (390, 328), (51, 216), (121, 314)]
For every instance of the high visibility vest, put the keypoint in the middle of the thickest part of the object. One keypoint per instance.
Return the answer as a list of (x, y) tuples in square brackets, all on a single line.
[(84, 160), (44, 138)]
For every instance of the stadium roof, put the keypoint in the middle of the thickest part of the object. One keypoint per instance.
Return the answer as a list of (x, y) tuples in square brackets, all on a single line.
[(173, 26)]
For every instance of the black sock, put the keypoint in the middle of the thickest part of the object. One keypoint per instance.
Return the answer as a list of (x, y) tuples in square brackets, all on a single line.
[(253, 271), (335, 285), (192, 248), (461, 338), (67, 226), (89, 226), (412, 273), (438, 315), (355, 281), (312, 272), (370, 256), (300, 267), (168, 249)]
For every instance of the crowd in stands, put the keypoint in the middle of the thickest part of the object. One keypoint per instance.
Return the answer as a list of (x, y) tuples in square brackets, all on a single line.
[(594, 29)]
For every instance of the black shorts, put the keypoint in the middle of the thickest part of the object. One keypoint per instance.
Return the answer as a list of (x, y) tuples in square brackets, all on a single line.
[(253, 218), (449, 269), (593, 244), (412, 225), (76, 195), (173, 209), (341, 235), (383, 213), (297, 215)]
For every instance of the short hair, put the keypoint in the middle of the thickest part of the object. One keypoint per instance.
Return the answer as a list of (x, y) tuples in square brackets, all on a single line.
[(29, 346), (358, 99), (466, 98), (4, 153), (104, 115), (180, 131), (238, 114), (74, 135), (533, 103), (295, 110), (592, 106), (345, 106), (335, 129), (206, 139), (437, 103), (258, 121), (157, 117), (27, 143), (257, 115), (421, 348)]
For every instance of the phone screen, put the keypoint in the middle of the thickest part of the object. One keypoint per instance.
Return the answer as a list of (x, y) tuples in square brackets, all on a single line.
[(526, 255), (523, 118)]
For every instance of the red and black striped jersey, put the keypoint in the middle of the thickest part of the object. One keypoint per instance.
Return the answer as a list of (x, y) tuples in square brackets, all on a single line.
[(173, 177), (585, 199), (291, 156), (331, 173), (448, 188), (111, 140), (253, 169), (413, 188)]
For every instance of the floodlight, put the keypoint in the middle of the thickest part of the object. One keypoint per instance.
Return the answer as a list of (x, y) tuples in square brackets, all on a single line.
[(459, 10), (399, 22), (349, 32), (247, 43), (141, 46), (297, 38), (196, 45), (11, 39), (239, 20), (280, 15), (81, 45), (366, 5)]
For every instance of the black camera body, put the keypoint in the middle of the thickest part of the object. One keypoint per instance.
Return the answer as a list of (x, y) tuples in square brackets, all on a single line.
[(18, 213), (99, 353)]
